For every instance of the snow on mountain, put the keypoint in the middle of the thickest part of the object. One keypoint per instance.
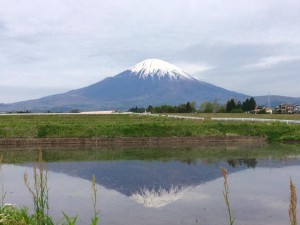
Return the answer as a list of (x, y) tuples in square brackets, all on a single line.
[(158, 198), (156, 68)]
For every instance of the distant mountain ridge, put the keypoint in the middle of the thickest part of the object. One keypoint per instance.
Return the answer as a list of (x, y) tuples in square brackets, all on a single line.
[(275, 100), (150, 82)]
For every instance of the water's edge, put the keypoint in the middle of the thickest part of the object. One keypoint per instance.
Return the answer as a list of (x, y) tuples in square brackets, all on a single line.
[(46, 143)]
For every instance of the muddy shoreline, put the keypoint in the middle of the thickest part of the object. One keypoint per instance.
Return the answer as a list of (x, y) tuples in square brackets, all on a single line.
[(128, 142)]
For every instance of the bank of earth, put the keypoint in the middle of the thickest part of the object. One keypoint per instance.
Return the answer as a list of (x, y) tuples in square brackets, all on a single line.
[(98, 130), (127, 142)]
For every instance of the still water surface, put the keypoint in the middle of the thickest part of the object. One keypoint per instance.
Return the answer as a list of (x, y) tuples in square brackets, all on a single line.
[(173, 191)]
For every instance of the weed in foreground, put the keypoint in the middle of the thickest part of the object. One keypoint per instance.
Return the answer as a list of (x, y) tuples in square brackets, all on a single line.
[(3, 193), (95, 217), (11, 215), (225, 194), (69, 220), (293, 204), (39, 192)]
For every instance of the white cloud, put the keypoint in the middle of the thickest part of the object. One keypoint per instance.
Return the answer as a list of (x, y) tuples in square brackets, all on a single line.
[(272, 61), (193, 68)]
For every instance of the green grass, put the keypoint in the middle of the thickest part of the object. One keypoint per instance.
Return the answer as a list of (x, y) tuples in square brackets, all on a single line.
[(246, 115), (88, 126), (11, 215)]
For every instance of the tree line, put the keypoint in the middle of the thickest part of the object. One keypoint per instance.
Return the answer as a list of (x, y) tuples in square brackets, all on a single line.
[(188, 107), (232, 106), (246, 106)]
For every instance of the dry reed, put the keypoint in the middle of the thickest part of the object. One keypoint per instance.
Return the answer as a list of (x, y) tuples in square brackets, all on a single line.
[(293, 204), (95, 218), (3, 193), (39, 191), (226, 198)]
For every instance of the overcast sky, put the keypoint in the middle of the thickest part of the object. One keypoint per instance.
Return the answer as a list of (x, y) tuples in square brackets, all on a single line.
[(52, 46)]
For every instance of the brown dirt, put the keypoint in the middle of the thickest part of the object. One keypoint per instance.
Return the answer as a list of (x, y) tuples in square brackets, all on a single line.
[(127, 142)]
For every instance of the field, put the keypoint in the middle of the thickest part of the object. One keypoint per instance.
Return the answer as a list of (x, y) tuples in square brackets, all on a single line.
[(88, 126)]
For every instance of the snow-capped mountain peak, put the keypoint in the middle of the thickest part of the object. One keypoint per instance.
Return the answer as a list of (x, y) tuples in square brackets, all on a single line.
[(156, 68)]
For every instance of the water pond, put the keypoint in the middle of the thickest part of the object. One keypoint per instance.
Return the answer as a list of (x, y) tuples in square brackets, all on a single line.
[(162, 186)]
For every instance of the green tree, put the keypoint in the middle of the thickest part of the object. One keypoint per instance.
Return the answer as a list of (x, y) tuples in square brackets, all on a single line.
[(246, 105), (194, 106), (231, 105), (188, 107), (181, 108), (249, 104), (221, 109), (252, 104), (215, 106), (236, 110), (136, 110), (206, 107), (150, 109)]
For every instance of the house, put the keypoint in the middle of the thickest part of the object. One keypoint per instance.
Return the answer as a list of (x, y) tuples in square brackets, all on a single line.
[(269, 110), (287, 108), (284, 108), (262, 110), (296, 109)]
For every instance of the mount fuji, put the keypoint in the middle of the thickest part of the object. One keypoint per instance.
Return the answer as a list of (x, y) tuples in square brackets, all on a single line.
[(150, 82)]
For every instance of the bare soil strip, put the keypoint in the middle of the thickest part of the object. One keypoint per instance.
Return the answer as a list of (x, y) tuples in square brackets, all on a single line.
[(127, 142)]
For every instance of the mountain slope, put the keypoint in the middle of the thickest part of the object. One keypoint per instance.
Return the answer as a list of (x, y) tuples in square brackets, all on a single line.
[(150, 82)]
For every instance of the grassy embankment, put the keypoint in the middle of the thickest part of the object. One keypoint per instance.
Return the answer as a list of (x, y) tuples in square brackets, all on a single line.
[(89, 126)]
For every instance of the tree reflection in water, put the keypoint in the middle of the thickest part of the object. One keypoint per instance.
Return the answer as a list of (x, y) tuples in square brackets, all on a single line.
[(250, 163)]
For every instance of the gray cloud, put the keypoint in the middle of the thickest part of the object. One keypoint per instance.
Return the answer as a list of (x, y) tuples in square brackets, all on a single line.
[(2, 27), (62, 45)]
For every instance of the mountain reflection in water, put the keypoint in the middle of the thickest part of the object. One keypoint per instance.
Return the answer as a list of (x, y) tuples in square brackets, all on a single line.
[(149, 178), (166, 192), (158, 198)]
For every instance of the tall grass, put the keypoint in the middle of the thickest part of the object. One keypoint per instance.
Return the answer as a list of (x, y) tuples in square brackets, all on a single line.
[(11, 215), (3, 193), (95, 217), (67, 220), (39, 192), (293, 204), (226, 196)]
